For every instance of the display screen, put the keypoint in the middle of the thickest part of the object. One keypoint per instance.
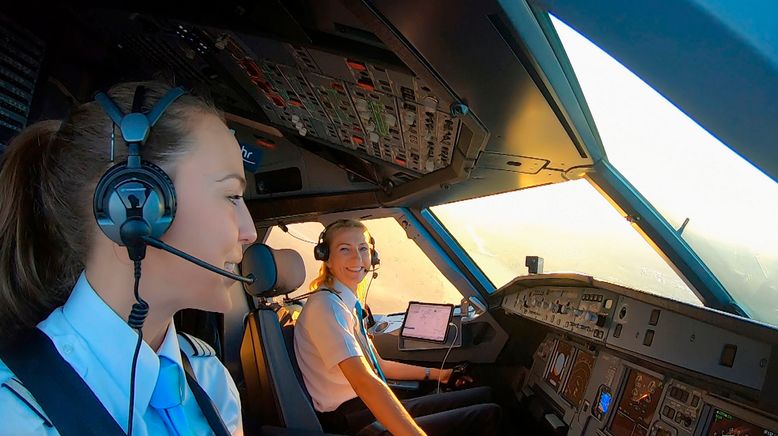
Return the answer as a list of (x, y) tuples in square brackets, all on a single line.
[(427, 321), (604, 402), (638, 403), (559, 362), (579, 378), (724, 424)]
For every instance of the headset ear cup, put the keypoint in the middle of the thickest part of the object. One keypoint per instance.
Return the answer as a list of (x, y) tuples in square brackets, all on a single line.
[(321, 252), (374, 258), (144, 194)]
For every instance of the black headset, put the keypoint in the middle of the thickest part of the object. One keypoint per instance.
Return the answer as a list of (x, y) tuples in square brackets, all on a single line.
[(135, 199), (322, 249)]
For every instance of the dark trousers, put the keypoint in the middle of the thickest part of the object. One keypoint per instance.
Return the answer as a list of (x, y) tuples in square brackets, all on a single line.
[(465, 412)]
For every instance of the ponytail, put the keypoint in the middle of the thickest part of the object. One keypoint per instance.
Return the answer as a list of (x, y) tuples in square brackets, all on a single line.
[(47, 182), (33, 262)]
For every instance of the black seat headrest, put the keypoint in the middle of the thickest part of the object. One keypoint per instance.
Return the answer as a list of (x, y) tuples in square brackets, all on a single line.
[(277, 272)]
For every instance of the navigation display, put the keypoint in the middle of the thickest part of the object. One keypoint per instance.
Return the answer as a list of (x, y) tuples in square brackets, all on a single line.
[(563, 355), (579, 378), (426, 321), (638, 403), (724, 424)]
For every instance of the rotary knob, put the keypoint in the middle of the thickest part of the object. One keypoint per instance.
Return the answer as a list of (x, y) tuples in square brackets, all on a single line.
[(590, 317)]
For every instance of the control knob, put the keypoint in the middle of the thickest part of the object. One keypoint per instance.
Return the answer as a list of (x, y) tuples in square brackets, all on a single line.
[(590, 317)]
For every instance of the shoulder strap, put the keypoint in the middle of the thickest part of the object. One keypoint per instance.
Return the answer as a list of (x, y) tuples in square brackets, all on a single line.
[(203, 400), (67, 400), (333, 292)]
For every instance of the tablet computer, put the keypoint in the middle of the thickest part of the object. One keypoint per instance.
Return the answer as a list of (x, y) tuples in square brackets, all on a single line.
[(427, 321)]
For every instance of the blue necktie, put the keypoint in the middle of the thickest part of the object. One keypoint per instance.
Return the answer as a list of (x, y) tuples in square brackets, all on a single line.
[(167, 397), (370, 353)]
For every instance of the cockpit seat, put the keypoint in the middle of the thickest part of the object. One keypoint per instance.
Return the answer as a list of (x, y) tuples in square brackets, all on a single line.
[(276, 395)]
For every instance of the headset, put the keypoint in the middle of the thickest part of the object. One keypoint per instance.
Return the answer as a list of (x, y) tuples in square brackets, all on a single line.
[(322, 249), (134, 204), (135, 201)]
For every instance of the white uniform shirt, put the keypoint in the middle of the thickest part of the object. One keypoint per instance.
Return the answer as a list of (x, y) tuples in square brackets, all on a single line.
[(99, 345), (326, 333)]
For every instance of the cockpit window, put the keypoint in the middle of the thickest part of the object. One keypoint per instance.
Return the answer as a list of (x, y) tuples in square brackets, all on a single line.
[(571, 226), (723, 206)]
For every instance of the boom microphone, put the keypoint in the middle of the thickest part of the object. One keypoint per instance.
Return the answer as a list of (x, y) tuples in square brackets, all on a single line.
[(156, 243)]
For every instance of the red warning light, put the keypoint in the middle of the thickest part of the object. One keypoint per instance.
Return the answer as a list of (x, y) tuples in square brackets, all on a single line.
[(356, 65)]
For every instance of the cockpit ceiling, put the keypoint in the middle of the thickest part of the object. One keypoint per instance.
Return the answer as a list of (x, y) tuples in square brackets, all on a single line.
[(421, 103)]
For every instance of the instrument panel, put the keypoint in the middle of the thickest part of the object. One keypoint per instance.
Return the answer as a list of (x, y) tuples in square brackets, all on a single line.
[(595, 389), (378, 110), (638, 403), (601, 374)]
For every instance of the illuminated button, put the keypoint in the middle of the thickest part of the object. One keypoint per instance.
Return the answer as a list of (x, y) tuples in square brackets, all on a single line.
[(336, 86), (390, 120), (295, 119), (266, 143), (277, 100), (296, 103), (361, 104), (263, 85), (430, 165), (366, 84), (374, 137), (356, 65), (357, 140)]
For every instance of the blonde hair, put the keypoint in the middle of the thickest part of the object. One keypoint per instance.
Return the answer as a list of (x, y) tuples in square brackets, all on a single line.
[(325, 279)]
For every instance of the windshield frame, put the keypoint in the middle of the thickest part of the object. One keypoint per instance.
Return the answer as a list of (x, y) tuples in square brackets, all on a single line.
[(663, 238), (555, 68)]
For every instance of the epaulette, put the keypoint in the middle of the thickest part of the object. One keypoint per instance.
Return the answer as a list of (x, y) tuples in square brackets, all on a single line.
[(17, 388), (194, 346)]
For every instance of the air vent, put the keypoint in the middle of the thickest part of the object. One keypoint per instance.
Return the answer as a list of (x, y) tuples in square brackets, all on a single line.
[(21, 54)]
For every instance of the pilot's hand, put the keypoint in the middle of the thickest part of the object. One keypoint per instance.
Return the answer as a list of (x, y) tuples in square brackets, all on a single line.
[(457, 377)]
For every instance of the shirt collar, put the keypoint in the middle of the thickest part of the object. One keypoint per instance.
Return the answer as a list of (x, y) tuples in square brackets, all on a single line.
[(99, 326), (345, 293)]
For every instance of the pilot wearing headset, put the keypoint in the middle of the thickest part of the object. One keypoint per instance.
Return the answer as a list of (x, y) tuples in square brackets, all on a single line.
[(341, 369), (82, 281)]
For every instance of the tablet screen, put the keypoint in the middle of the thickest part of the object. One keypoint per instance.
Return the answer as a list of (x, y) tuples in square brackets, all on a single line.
[(427, 321)]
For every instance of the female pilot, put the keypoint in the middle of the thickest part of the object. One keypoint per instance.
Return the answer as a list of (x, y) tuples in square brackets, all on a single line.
[(342, 370), (63, 275)]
